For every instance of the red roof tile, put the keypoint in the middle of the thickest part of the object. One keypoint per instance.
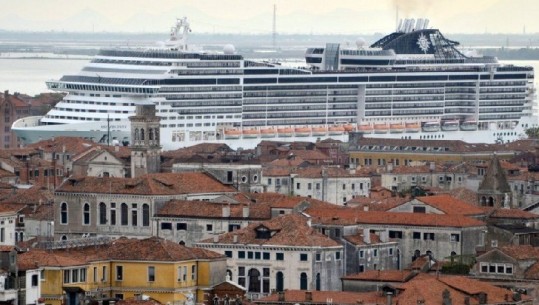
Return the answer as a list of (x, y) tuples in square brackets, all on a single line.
[(381, 275), (451, 205)]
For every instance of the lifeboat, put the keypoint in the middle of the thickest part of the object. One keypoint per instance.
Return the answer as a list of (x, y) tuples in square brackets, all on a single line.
[(267, 132), (232, 133), (250, 133), (468, 125), (349, 127), (285, 131), (431, 126), (336, 130), (365, 128), (450, 125), (412, 126), (320, 131), (396, 127), (302, 131), (381, 128)]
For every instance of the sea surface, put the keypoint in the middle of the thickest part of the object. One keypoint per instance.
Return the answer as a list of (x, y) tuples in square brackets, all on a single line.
[(29, 74)]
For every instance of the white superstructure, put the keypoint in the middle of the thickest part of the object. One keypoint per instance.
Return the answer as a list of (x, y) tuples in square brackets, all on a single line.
[(412, 83)]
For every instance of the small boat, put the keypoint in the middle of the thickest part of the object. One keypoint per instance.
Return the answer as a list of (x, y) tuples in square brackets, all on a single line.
[(267, 132), (412, 126), (381, 128), (302, 131), (468, 125), (431, 126), (285, 131), (250, 133), (450, 125), (365, 128), (232, 133), (396, 127), (320, 131), (336, 130)]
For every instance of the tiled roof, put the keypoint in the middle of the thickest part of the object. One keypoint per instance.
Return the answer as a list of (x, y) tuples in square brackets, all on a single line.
[(448, 146), (132, 301), (10, 208), (495, 179), (354, 216), (74, 145), (287, 230), (331, 172), (359, 240), (371, 204), (521, 252), (36, 258), (381, 276), (321, 297), (451, 205), (151, 184), (205, 209), (309, 154), (510, 213), (34, 195), (460, 193)]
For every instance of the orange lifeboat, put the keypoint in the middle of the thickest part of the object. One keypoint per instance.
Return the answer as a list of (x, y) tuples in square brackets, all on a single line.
[(349, 127), (412, 127), (365, 128), (232, 133), (396, 127), (336, 130), (250, 133), (381, 128), (267, 132), (320, 131), (302, 131), (285, 131)]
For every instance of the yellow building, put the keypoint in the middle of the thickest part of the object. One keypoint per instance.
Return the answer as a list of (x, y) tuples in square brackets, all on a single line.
[(126, 268)]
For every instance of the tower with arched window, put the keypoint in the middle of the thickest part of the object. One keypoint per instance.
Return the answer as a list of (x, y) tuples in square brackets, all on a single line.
[(145, 141), (494, 190)]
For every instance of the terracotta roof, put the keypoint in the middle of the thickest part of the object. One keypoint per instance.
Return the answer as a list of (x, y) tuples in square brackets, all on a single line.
[(381, 276), (353, 216), (370, 204), (359, 240), (74, 145), (460, 193), (451, 205), (521, 252), (287, 230), (151, 184), (36, 258), (448, 146), (309, 154), (331, 172), (321, 297), (132, 301), (509, 213), (206, 209)]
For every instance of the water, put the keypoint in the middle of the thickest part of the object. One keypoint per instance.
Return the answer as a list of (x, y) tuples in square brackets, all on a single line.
[(28, 75)]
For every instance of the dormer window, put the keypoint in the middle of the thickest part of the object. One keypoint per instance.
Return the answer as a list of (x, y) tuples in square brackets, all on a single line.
[(263, 233)]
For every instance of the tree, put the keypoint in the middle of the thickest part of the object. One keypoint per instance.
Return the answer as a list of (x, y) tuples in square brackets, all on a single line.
[(532, 132)]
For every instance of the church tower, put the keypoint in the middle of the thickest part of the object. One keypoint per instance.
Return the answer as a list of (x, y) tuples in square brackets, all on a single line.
[(145, 144), (494, 190)]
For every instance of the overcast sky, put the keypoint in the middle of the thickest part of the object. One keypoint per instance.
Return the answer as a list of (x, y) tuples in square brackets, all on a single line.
[(255, 16)]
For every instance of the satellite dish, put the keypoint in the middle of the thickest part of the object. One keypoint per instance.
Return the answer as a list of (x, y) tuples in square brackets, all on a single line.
[(229, 49), (361, 43)]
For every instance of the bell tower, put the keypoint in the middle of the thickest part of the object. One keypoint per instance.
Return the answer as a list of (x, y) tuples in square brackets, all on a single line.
[(145, 144)]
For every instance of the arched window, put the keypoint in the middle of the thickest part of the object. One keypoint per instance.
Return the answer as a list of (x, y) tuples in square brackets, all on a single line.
[(21, 236), (123, 215), (483, 201), (63, 237), (136, 134), (279, 281), (182, 243), (86, 214), (142, 134), (102, 213), (318, 282), (229, 275), (254, 280), (63, 213), (490, 201), (150, 134), (303, 281), (145, 215)]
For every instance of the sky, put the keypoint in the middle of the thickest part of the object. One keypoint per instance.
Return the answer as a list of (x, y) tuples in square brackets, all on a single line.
[(255, 16)]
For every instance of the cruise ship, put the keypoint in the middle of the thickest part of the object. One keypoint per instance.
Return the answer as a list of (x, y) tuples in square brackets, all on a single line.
[(411, 84)]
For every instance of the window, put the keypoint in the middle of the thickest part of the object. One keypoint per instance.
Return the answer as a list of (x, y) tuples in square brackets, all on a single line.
[(151, 274), (375, 252), (63, 213), (104, 274), (344, 186), (95, 274), (123, 214), (34, 280), (318, 186), (193, 272), (113, 213), (318, 257), (361, 253), (134, 215), (338, 255), (241, 254), (182, 273), (145, 215), (182, 226), (455, 237), (269, 181), (303, 281), (228, 254), (265, 255), (303, 257), (309, 186), (419, 209), (395, 234), (279, 256), (86, 214), (250, 254), (241, 276), (390, 251), (298, 186), (416, 235), (428, 236), (102, 213), (119, 273), (166, 226), (209, 228)]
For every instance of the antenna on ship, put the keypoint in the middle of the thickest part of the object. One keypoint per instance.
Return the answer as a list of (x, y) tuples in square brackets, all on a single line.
[(274, 33)]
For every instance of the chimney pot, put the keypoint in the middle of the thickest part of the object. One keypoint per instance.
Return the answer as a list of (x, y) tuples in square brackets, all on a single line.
[(308, 296)]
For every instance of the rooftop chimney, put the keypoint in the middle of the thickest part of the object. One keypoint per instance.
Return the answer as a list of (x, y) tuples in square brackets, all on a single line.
[(389, 298), (482, 296), (226, 211), (235, 238), (245, 211), (281, 296), (366, 236), (216, 239), (384, 236)]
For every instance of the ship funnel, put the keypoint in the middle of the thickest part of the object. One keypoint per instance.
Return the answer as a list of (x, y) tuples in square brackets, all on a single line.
[(399, 28), (419, 24), (426, 24)]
